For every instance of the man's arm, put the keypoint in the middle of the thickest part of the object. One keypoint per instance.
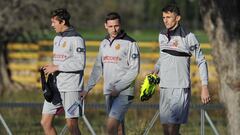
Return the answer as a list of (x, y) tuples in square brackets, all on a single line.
[(158, 63), (157, 66), (202, 66), (205, 96), (96, 72), (95, 75)]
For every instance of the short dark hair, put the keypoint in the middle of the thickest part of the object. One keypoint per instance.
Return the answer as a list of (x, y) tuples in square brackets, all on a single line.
[(61, 14), (171, 8), (112, 16)]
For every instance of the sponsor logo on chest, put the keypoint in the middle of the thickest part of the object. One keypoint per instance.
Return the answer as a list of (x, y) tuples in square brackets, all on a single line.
[(111, 59)]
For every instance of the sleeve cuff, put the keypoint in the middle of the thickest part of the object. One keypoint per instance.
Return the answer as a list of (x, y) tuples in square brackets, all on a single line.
[(205, 82)]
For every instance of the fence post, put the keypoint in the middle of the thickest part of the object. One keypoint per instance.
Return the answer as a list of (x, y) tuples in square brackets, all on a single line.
[(5, 125), (202, 122), (150, 125), (211, 124)]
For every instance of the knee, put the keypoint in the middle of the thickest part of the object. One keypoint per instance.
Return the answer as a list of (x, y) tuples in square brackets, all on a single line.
[(45, 123), (72, 124), (112, 126)]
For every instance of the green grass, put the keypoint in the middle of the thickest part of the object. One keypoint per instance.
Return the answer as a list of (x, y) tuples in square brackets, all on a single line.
[(201, 36), (23, 121), (99, 34), (143, 35), (33, 95)]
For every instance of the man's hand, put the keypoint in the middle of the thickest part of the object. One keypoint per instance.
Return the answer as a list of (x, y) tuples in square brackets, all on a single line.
[(114, 92), (48, 69), (155, 71), (83, 94), (205, 97)]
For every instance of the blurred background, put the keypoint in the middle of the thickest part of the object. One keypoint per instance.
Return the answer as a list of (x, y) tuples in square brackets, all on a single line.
[(26, 44)]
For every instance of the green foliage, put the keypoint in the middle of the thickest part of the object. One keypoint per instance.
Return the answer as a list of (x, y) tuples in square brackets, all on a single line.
[(33, 17)]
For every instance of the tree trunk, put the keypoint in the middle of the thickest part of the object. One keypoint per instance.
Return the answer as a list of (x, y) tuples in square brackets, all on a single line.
[(4, 74), (221, 22)]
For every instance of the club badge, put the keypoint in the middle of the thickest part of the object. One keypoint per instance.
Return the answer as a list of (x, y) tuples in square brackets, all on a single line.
[(117, 47), (64, 44), (175, 44)]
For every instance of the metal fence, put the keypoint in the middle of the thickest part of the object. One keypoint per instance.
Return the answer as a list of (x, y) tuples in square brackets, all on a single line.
[(136, 106)]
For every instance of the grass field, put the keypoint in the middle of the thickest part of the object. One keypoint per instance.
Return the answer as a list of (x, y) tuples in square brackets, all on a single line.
[(26, 120), (140, 35)]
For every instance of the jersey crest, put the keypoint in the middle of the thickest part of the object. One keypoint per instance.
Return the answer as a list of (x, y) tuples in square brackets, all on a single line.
[(64, 45), (117, 47)]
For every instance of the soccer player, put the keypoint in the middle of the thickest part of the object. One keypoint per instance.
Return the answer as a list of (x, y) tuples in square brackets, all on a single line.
[(67, 68), (118, 61), (177, 45)]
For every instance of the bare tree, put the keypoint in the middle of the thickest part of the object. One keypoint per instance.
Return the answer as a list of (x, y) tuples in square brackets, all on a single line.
[(222, 24), (18, 19)]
